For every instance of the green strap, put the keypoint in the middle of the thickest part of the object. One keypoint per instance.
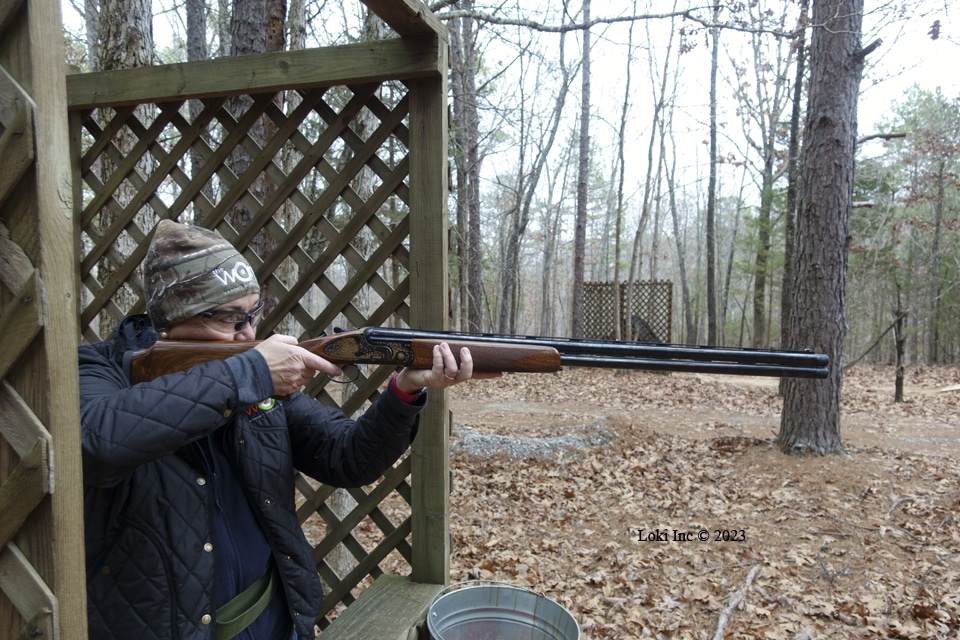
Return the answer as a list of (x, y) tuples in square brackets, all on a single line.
[(243, 609)]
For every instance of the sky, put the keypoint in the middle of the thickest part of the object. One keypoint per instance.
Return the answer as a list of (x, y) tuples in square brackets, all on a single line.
[(909, 56)]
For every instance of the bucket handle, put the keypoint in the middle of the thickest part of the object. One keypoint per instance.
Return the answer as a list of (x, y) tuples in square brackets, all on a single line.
[(478, 583), (483, 583)]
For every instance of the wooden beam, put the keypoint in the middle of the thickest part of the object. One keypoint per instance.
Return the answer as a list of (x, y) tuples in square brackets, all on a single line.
[(40, 627), (409, 18), (18, 424), (23, 490), (15, 266), (8, 10), (16, 148), (377, 61), (57, 395), (21, 583), (429, 308), (20, 324)]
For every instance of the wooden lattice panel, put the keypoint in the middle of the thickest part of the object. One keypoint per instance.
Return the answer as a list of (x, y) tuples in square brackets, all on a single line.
[(646, 310), (311, 185)]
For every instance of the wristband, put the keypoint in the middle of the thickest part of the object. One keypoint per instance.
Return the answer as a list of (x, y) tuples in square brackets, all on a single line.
[(400, 393)]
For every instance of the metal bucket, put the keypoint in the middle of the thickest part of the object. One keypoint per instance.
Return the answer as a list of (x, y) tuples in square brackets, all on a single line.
[(484, 610)]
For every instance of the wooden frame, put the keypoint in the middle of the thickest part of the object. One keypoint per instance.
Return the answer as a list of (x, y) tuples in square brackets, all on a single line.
[(41, 542)]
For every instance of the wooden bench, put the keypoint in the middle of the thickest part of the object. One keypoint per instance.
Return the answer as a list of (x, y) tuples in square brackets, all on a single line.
[(392, 608)]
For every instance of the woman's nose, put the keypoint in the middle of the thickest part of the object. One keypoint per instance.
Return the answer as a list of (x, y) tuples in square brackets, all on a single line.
[(247, 333)]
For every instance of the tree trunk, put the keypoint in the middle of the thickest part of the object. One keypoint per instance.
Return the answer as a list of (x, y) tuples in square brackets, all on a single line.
[(763, 251), (196, 51), (790, 213), (257, 27), (810, 420), (91, 23), (900, 341), (458, 239), (712, 189), (466, 140), (933, 293), (126, 41), (618, 315), (583, 170)]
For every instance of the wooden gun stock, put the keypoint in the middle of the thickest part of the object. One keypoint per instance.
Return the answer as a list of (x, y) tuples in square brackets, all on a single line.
[(349, 347)]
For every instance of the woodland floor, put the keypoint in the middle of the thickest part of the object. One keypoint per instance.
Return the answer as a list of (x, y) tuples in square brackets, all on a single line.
[(864, 545)]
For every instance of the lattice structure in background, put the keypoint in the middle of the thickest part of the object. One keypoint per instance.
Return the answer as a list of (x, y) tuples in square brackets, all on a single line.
[(312, 186), (646, 310)]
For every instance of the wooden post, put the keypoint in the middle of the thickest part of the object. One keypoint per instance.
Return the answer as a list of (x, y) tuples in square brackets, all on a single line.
[(42, 572), (429, 308)]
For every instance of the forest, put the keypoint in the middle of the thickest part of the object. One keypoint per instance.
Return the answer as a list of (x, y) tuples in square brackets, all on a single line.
[(714, 152), (585, 154)]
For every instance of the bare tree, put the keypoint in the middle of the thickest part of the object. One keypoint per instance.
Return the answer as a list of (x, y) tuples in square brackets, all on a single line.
[(583, 170), (790, 208), (762, 100), (659, 95), (465, 138), (810, 420), (526, 188), (618, 225), (712, 329)]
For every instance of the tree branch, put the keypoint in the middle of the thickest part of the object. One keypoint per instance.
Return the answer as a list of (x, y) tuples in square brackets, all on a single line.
[(881, 136), (732, 603), (861, 55), (687, 14)]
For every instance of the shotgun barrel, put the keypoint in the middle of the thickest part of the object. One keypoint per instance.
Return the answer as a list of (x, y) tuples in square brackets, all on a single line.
[(575, 352)]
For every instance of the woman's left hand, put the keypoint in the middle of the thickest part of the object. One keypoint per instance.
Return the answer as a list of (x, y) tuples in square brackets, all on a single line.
[(444, 373)]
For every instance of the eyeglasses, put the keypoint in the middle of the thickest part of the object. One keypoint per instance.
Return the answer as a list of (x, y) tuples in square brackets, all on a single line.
[(232, 321)]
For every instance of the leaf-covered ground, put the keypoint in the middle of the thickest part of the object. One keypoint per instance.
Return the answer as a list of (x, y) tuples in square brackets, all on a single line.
[(865, 545)]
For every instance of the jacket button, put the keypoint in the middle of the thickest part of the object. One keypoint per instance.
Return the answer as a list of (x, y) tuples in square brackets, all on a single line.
[(227, 413), (267, 502), (208, 547), (105, 570), (201, 480), (206, 619)]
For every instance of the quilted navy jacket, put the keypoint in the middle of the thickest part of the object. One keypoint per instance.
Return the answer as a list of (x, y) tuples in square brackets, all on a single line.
[(149, 507)]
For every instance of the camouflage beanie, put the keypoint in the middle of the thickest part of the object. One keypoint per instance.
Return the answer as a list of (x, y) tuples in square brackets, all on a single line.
[(190, 269)]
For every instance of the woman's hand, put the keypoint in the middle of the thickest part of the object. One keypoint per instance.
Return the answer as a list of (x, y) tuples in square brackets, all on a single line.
[(292, 366), (444, 373)]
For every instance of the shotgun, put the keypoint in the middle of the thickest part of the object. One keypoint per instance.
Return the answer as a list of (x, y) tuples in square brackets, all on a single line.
[(493, 352)]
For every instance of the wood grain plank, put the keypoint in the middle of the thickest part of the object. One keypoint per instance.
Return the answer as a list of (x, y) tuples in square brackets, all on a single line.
[(377, 61), (20, 323), (23, 489), (429, 308), (409, 18), (16, 148), (18, 424), (387, 610), (27, 591)]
